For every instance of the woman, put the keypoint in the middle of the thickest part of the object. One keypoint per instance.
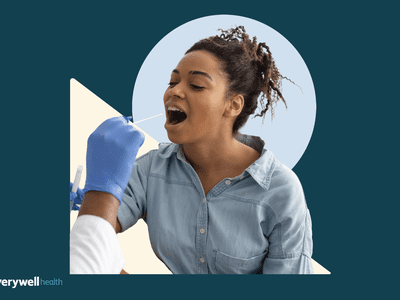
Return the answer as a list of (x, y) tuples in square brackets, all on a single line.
[(214, 200)]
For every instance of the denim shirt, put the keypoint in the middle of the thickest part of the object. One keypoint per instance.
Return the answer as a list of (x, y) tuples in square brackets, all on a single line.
[(257, 222)]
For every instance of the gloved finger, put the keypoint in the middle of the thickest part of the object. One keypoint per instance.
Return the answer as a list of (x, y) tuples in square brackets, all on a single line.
[(108, 127), (117, 129), (72, 196), (128, 118), (80, 194)]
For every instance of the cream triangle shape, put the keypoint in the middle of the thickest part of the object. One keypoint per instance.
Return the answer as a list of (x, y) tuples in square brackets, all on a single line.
[(87, 112)]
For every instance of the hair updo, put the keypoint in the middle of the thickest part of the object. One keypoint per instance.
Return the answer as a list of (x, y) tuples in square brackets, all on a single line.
[(250, 68)]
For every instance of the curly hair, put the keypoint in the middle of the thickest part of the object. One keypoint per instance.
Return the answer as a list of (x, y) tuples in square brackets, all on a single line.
[(250, 68)]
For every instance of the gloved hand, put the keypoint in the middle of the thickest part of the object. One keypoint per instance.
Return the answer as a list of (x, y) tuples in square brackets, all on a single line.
[(111, 153), (75, 198)]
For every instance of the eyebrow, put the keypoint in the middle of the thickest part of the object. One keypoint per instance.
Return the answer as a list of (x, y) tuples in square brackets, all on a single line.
[(195, 73)]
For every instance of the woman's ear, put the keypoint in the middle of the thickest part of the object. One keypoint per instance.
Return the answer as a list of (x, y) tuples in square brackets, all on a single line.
[(235, 106)]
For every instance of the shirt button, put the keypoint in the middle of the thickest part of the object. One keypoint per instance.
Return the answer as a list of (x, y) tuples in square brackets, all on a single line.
[(227, 182), (241, 177), (202, 260), (204, 200), (202, 231)]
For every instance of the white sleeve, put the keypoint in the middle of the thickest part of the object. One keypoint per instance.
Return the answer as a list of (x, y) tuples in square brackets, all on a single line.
[(94, 247)]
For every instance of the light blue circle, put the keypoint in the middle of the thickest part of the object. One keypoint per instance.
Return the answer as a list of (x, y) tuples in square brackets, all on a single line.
[(287, 136)]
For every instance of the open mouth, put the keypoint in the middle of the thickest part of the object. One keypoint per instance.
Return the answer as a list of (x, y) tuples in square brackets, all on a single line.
[(176, 116)]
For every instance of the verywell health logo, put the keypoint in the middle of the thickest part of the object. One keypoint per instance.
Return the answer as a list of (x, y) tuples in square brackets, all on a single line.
[(36, 281)]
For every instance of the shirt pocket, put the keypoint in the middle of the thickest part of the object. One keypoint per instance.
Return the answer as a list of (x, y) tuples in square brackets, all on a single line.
[(226, 264)]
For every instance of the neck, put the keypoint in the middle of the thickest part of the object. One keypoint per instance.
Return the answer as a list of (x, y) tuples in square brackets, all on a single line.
[(221, 155)]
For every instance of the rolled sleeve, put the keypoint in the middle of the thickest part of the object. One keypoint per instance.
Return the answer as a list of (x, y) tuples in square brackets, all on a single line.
[(291, 260), (298, 265)]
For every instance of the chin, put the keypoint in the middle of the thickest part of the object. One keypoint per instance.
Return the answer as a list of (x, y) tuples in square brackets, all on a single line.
[(174, 137), (183, 133), (179, 138)]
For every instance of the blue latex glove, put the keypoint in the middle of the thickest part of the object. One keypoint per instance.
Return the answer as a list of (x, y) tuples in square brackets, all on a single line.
[(111, 153), (75, 198)]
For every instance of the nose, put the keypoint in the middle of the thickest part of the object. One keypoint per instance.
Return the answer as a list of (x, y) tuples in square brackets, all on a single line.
[(177, 90)]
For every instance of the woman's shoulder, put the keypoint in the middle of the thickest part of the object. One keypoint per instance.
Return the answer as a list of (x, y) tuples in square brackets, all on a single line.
[(285, 192), (282, 176)]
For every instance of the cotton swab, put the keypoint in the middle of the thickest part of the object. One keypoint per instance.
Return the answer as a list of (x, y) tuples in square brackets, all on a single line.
[(147, 119)]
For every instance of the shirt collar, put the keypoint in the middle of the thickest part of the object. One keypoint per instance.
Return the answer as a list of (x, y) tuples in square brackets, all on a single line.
[(170, 149), (261, 170), (167, 149)]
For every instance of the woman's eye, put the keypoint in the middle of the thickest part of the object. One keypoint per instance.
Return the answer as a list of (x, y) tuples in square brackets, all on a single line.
[(172, 83), (196, 87)]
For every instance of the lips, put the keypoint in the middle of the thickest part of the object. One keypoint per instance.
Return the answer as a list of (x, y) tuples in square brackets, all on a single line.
[(175, 114)]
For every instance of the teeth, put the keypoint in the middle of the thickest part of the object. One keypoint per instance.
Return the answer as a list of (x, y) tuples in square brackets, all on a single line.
[(174, 109)]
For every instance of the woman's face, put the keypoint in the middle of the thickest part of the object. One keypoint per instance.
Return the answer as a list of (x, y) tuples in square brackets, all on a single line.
[(195, 99)]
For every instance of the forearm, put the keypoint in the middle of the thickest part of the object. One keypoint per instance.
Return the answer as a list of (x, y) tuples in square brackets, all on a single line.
[(103, 205)]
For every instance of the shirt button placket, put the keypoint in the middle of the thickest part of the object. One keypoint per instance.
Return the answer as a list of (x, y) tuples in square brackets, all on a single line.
[(202, 238)]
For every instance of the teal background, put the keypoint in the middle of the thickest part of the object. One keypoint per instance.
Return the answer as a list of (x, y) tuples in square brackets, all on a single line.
[(348, 172)]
